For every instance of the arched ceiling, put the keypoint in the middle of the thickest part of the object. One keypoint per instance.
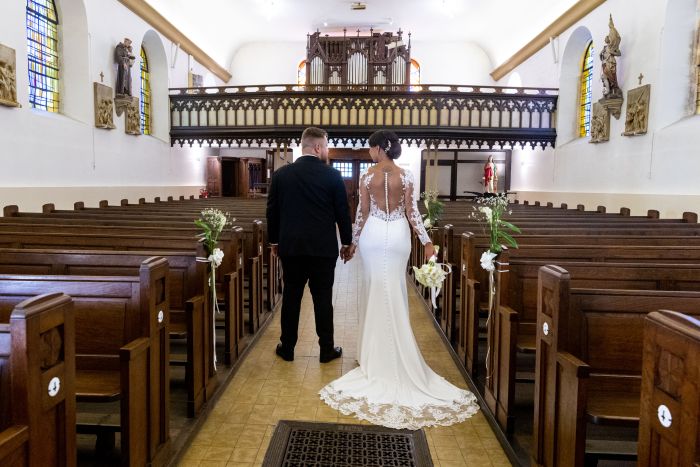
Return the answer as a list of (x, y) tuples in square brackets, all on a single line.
[(500, 27)]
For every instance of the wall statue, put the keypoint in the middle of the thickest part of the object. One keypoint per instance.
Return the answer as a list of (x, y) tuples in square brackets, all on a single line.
[(133, 118), (600, 123), (612, 94), (608, 70), (104, 107), (8, 78), (637, 118), (125, 60)]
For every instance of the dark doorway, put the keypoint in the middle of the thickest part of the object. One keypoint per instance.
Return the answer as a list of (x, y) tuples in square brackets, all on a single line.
[(350, 163), (229, 177)]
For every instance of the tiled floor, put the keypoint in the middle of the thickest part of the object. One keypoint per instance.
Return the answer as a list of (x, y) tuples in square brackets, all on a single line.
[(267, 389)]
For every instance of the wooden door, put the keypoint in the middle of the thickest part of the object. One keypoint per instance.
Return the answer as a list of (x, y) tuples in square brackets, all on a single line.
[(214, 176)]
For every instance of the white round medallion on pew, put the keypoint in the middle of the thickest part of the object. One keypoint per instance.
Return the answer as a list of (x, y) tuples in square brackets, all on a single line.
[(54, 386), (665, 417)]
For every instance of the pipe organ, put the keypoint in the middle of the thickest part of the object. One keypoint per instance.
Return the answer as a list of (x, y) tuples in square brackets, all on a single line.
[(380, 59)]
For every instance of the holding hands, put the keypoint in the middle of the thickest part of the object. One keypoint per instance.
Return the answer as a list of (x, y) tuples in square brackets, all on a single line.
[(347, 252)]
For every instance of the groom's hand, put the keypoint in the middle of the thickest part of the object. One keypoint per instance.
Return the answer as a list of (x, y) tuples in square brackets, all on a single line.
[(347, 252)]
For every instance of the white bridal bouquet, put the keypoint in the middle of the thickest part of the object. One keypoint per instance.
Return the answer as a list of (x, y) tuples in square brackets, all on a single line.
[(432, 274)]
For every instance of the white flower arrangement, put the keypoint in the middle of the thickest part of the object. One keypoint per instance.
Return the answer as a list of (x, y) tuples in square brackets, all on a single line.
[(432, 274), (427, 223)]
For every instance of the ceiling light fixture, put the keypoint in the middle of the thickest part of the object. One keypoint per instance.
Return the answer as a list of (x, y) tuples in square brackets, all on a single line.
[(358, 6)]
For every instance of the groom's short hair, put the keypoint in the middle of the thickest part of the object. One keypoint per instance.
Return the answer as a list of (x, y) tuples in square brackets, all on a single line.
[(311, 134)]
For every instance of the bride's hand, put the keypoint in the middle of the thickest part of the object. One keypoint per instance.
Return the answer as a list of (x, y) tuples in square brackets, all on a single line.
[(429, 250)]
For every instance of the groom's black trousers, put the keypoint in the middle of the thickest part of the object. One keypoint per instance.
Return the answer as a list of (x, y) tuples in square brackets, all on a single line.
[(319, 272)]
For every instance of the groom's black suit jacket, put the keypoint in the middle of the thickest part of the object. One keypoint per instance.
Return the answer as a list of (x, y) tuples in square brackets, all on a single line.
[(305, 202)]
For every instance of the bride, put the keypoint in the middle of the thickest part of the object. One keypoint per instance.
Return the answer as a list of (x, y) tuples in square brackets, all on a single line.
[(393, 386)]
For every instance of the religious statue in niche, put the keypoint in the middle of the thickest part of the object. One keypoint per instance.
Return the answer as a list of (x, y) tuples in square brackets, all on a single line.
[(123, 55), (612, 94), (133, 118), (8, 78), (104, 107), (600, 123), (637, 119)]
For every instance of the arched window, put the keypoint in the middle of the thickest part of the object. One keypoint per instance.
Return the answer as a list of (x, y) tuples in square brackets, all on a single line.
[(301, 73), (145, 94), (585, 95), (42, 55), (415, 73)]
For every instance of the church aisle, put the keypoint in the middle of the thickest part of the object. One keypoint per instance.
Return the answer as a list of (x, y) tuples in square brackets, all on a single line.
[(267, 389)]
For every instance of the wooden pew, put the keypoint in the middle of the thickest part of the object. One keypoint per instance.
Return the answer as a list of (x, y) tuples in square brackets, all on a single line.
[(126, 242), (589, 362), (121, 350), (37, 410), (669, 425), (189, 290)]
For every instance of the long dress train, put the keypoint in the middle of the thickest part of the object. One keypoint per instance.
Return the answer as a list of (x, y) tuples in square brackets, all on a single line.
[(393, 386)]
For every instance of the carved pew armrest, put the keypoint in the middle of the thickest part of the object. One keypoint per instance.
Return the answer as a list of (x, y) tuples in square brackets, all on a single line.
[(14, 444), (134, 363), (570, 407)]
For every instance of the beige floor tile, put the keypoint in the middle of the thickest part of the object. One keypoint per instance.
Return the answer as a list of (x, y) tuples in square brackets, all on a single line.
[(244, 455)]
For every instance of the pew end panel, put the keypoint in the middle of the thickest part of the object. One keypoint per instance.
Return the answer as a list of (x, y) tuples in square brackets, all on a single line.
[(552, 295), (669, 426), (42, 366)]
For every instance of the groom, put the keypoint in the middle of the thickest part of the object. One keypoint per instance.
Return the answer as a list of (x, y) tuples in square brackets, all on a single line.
[(307, 199)]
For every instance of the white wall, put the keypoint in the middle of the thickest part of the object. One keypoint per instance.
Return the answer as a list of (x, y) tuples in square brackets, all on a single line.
[(45, 156), (267, 63), (452, 63), (657, 40)]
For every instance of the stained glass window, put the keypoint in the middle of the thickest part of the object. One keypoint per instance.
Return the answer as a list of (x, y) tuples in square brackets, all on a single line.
[(145, 94), (585, 97), (301, 73), (345, 168), (42, 54)]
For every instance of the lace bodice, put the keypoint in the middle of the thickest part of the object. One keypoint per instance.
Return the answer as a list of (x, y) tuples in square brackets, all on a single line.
[(389, 197)]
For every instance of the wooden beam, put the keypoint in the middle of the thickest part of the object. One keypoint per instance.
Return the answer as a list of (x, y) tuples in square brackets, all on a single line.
[(561, 24), (147, 13)]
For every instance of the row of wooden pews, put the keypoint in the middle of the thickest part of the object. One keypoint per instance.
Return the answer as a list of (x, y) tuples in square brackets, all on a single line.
[(143, 307), (565, 335)]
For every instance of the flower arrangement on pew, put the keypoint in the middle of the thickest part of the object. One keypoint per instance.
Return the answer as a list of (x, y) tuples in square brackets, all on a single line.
[(490, 212), (434, 208), (212, 222), (432, 274)]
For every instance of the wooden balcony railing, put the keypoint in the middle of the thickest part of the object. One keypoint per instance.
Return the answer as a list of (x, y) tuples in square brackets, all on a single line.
[(426, 114)]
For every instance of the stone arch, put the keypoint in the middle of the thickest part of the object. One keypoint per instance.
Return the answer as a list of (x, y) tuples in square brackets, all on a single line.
[(158, 67), (568, 104)]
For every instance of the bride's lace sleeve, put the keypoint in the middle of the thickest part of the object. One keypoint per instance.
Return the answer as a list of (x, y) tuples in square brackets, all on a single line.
[(362, 209), (412, 212)]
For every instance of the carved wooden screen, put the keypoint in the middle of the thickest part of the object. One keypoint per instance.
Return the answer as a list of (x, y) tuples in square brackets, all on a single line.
[(377, 59)]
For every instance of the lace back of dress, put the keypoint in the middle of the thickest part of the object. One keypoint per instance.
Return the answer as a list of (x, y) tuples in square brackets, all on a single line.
[(386, 193)]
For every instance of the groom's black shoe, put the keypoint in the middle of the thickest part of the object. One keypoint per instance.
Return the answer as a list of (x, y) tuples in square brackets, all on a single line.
[(285, 354), (332, 354)]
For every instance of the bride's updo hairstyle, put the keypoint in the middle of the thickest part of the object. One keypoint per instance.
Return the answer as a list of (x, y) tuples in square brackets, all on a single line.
[(387, 141)]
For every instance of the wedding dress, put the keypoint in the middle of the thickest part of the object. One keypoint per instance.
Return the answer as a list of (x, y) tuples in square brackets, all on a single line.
[(393, 386)]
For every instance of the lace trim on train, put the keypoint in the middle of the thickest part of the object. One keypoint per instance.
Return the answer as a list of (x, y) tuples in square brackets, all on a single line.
[(402, 417)]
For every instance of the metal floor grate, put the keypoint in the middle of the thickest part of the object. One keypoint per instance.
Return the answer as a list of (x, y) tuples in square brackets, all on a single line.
[(311, 444)]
